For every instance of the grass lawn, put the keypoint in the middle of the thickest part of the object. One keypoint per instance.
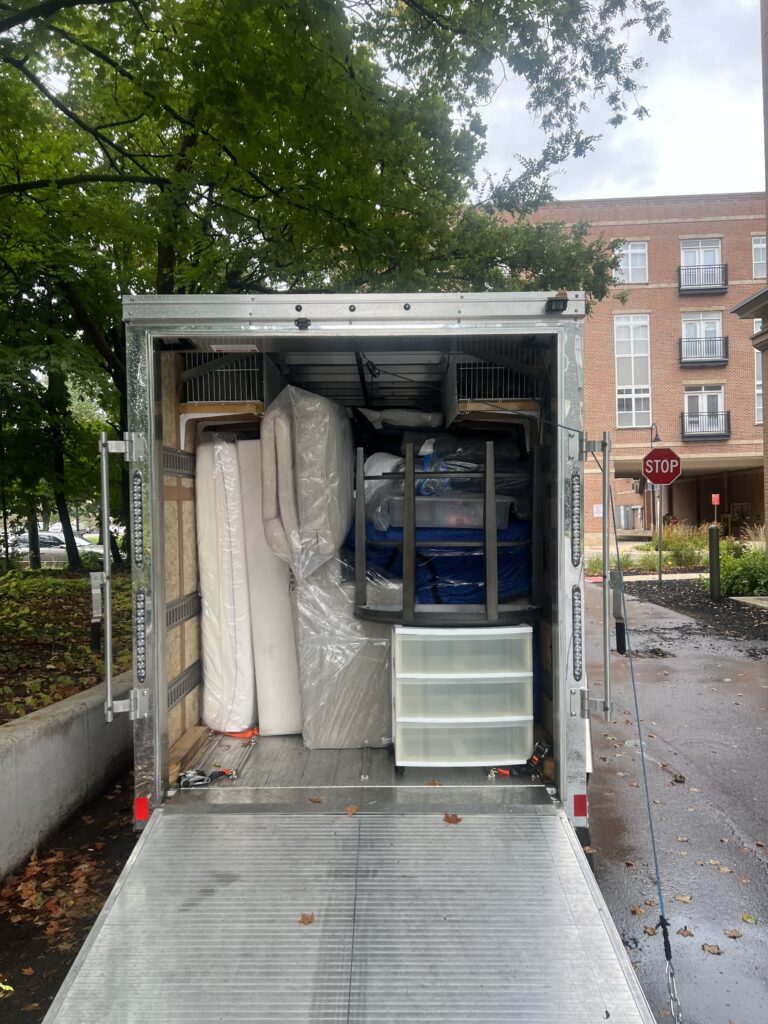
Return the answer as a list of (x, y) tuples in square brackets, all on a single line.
[(45, 650)]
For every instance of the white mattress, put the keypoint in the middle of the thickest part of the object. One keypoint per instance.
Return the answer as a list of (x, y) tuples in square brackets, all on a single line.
[(229, 691), (307, 478), (273, 640)]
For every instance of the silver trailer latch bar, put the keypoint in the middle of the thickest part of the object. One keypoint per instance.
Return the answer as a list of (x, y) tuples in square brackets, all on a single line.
[(136, 705)]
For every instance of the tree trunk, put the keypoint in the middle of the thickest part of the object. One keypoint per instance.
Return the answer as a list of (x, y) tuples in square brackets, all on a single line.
[(34, 537), (57, 401), (114, 550)]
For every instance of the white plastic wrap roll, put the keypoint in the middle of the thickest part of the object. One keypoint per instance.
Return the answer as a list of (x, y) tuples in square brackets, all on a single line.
[(229, 690), (274, 643)]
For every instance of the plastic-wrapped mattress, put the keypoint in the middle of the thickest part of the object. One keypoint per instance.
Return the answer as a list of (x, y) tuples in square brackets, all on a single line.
[(344, 662), (307, 478), (229, 691)]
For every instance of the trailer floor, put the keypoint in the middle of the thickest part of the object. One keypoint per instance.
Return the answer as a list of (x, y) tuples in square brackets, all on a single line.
[(280, 774), (327, 918)]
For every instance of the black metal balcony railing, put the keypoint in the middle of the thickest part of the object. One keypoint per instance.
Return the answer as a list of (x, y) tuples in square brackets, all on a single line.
[(705, 425), (703, 278), (703, 350)]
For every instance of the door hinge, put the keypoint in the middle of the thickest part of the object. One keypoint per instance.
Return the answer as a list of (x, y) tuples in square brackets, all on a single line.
[(584, 706), (135, 705), (131, 447)]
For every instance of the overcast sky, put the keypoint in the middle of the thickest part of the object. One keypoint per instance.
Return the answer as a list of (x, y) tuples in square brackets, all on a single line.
[(704, 133)]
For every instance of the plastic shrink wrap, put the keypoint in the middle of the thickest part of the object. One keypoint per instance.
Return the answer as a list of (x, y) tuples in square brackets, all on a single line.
[(344, 662), (307, 478), (229, 691)]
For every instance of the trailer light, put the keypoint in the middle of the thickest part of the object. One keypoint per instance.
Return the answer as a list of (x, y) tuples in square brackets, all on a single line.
[(140, 626), (557, 303), (576, 508), (577, 644), (137, 502)]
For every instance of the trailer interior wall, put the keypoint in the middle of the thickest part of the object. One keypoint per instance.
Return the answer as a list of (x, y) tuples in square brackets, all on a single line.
[(167, 577)]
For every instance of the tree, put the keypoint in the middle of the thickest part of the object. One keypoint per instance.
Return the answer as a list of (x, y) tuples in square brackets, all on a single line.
[(310, 145)]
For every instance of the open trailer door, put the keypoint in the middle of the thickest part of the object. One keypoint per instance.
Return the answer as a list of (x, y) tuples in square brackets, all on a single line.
[(272, 917)]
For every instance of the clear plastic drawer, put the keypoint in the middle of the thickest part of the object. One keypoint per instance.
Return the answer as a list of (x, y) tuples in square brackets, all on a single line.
[(463, 652), (464, 745), (464, 698)]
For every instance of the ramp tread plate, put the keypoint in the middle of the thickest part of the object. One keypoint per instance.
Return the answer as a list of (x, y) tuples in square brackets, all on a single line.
[(415, 920)]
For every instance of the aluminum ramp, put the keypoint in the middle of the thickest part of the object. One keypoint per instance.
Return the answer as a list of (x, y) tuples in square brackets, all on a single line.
[(495, 919)]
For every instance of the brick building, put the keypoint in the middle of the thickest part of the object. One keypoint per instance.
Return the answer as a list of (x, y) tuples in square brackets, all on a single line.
[(671, 361)]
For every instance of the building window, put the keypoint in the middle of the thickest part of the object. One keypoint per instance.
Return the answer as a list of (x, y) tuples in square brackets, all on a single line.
[(758, 256), (633, 373), (633, 268), (758, 325), (704, 409), (702, 338), (701, 266)]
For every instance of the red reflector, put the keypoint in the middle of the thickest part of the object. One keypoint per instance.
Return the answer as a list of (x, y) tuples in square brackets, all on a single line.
[(141, 808), (580, 805)]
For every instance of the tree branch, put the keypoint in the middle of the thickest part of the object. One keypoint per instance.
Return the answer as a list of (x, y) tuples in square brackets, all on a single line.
[(44, 10), (20, 187)]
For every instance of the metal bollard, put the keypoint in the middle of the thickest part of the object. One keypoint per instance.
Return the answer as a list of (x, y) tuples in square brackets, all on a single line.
[(714, 562)]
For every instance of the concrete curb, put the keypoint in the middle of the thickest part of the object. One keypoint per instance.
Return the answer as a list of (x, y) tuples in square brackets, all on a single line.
[(54, 760)]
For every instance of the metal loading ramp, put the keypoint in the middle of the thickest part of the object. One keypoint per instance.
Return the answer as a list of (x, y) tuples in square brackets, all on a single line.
[(494, 919)]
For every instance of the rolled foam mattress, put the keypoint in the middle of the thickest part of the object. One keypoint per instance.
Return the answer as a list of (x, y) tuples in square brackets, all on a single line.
[(274, 642), (307, 478), (229, 688)]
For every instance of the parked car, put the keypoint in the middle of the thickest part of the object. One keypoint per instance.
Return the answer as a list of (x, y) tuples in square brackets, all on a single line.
[(52, 546)]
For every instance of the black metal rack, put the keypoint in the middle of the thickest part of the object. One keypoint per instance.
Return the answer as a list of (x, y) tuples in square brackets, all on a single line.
[(411, 614)]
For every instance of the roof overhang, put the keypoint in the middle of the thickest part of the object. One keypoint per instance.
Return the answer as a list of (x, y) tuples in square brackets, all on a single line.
[(706, 464), (756, 308)]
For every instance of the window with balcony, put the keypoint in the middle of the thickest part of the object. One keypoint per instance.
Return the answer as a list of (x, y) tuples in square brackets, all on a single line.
[(701, 267), (702, 339), (631, 334), (758, 256), (705, 416), (633, 268)]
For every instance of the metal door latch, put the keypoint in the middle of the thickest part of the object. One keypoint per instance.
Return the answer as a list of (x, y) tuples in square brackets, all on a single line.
[(135, 705)]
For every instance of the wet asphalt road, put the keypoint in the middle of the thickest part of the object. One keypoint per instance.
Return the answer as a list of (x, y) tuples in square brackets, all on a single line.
[(704, 713)]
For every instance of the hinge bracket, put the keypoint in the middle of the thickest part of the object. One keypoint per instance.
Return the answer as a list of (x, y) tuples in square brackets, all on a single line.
[(131, 447), (587, 706), (586, 446), (136, 704)]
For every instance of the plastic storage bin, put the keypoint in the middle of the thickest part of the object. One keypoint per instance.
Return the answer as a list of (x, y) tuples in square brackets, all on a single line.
[(464, 513)]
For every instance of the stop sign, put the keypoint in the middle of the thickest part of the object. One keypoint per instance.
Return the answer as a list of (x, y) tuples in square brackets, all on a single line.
[(661, 466)]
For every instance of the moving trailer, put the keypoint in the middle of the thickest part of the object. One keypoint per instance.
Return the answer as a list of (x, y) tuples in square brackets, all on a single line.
[(324, 884)]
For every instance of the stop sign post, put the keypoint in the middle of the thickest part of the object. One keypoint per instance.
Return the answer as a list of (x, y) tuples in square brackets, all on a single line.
[(661, 466)]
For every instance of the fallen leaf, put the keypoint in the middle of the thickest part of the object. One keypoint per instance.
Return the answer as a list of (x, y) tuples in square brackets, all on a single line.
[(693, 789), (315, 799), (633, 784), (28, 971), (747, 918), (725, 871), (433, 782), (678, 778), (760, 843), (636, 910), (732, 933), (683, 899), (651, 735), (87, 819), (744, 881), (621, 774), (629, 863), (650, 902), (709, 947), (714, 862), (682, 839), (30, 1007), (649, 930), (723, 839), (352, 810), (307, 919), (452, 819), (685, 932), (589, 849)]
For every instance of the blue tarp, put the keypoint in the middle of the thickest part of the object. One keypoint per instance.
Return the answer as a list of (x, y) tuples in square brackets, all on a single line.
[(454, 575)]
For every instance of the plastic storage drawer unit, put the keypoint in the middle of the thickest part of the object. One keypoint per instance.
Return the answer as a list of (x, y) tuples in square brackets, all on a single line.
[(462, 697)]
